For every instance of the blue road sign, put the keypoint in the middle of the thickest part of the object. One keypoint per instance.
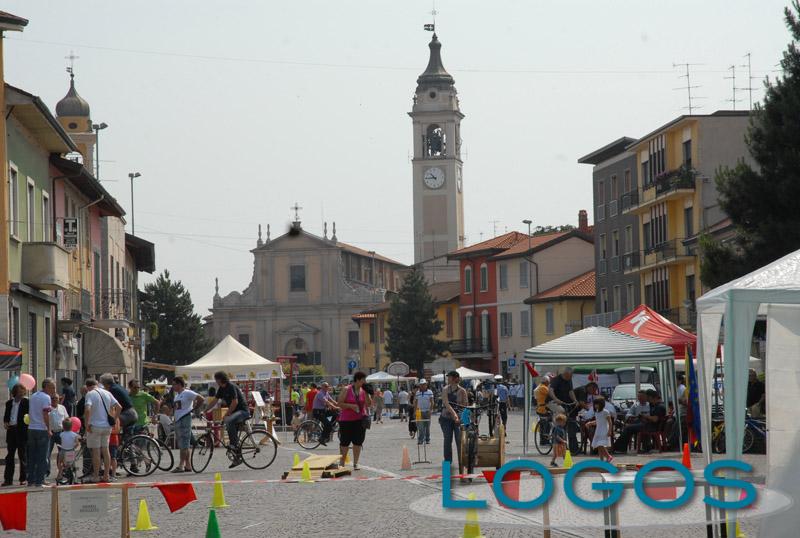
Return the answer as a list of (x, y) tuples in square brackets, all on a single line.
[(352, 364), (512, 363)]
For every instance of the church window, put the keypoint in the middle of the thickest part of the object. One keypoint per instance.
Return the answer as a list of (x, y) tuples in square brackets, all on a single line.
[(468, 280), (435, 141), (244, 339), (352, 340), (297, 278), (484, 277)]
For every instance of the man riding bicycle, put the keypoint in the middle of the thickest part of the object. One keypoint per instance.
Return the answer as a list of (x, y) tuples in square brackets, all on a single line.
[(238, 413), (324, 406), (563, 401)]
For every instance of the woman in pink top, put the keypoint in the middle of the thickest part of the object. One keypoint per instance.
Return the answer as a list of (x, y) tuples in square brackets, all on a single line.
[(354, 403)]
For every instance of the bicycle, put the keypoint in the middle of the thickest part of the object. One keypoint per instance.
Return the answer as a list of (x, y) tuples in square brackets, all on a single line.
[(752, 427), (309, 434), (257, 447), (140, 455), (470, 433), (542, 432)]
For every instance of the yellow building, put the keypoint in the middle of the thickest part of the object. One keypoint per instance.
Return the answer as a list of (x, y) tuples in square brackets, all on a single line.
[(373, 356), (676, 202), (560, 310)]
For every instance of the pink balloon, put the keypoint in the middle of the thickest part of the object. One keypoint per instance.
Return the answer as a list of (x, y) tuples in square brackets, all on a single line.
[(27, 381), (76, 424)]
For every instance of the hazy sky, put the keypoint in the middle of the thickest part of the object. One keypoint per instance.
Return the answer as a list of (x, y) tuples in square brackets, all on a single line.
[(234, 110)]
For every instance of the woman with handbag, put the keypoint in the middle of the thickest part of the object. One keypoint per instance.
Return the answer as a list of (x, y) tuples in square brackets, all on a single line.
[(354, 419)]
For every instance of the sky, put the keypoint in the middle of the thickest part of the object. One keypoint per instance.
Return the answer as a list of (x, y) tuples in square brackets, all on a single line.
[(235, 110)]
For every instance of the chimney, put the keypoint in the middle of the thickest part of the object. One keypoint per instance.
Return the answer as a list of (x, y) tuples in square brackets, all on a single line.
[(583, 221)]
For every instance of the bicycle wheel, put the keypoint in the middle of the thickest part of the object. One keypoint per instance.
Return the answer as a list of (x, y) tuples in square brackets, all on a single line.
[(541, 437), (140, 455), (258, 449), (309, 434), (749, 439), (472, 452), (167, 458), (202, 451)]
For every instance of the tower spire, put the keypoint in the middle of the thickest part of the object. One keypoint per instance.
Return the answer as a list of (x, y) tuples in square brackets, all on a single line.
[(435, 74)]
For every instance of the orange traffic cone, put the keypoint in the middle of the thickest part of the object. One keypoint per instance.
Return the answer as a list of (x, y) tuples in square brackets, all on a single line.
[(405, 463), (686, 460)]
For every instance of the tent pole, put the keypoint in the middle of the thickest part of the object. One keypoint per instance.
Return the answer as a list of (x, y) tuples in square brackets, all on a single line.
[(526, 410)]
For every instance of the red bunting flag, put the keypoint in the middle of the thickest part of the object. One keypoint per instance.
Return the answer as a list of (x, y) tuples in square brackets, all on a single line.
[(14, 511), (531, 369), (177, 494)]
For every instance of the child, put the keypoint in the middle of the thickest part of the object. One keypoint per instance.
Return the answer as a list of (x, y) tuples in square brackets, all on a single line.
[(113, 444), (66, 447), (603, 428), (559, 438), (296, 420), (164, 423)]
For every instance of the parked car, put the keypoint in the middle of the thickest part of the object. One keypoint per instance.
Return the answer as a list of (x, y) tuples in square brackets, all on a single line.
[(625, 394)]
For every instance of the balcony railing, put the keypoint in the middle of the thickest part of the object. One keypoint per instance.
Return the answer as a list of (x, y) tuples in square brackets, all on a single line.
[(604, 319), (685, 317), (679, 178), (667, 250), (115, 304), (470, 345), (76, 306), (631, 261), (45, 266), (630, 199)]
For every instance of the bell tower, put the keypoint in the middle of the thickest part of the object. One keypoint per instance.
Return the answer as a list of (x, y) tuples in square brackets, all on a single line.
[(437, 168), (73, 113)]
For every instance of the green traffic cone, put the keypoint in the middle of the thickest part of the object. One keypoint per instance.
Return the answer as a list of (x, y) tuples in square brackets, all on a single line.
[(212, 531)]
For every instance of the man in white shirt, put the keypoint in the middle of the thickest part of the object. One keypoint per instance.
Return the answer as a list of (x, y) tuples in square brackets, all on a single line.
[(402, 403), (641, 407), (100, 407), (39, 432), (388, 400), (424, 402), (183, 403)]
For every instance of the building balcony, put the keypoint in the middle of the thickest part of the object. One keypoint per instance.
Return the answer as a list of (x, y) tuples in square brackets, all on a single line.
[(672, 252), (116, 309), (631, 262), (471, 348), (45, 266), (685, 317), (630, 200), (74, 309), (670, 185)]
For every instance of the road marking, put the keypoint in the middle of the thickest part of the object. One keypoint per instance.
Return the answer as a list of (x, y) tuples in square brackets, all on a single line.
[(254, 525)]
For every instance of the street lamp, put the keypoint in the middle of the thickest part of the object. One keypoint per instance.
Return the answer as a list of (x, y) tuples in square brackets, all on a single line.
[(132, 176), (526, 409), (97, 128), (530, 278)]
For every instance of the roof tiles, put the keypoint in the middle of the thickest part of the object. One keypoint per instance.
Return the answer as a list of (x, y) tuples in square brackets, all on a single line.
[(581, 286)]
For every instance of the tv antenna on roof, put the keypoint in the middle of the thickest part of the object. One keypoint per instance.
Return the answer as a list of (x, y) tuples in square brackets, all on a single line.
[(688, 87), (732, 78), (749, 87)]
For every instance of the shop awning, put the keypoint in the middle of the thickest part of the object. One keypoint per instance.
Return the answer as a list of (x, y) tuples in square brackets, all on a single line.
[(103, 353), (10, 358)]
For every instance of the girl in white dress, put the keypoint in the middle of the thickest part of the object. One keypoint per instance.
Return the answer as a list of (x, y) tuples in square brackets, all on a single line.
[(603, 429)]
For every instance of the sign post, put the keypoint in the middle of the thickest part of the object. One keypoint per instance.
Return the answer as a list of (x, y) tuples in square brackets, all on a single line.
[(70, 233)]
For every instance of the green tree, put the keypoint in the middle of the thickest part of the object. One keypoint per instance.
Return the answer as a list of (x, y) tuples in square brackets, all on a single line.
[(413, 324), (180, 339), (762, 203)]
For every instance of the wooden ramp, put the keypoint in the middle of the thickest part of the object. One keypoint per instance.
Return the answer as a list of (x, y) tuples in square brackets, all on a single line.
[(320, 467)]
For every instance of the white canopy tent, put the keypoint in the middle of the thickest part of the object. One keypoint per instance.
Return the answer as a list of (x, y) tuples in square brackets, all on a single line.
[(383, 377), (600, 345), (231, 357), (773, 290), (466, 375)]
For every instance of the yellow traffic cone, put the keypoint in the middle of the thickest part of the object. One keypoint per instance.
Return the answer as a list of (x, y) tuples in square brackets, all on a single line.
[(739, 533), (347, 458), (471, 528), (405, 462), (296, 462), (305, 475), (567, 460), (143, 522), (218, 499)]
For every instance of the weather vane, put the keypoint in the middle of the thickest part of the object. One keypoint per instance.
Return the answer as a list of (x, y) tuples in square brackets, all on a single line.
[(432, 27), (71, 57)]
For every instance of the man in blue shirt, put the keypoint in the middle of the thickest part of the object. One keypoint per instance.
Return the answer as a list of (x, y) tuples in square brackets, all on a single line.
[(324, 406), (501, 391)]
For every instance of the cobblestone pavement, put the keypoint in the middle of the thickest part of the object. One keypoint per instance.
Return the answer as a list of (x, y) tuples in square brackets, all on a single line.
[(351, 509)]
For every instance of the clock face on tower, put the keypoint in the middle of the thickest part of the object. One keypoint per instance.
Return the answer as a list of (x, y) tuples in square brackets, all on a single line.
[(433, 178)]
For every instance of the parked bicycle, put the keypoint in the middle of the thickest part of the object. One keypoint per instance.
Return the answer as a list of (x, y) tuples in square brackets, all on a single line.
[(470, 432), (753, 429), (257, 447), (542, 432)]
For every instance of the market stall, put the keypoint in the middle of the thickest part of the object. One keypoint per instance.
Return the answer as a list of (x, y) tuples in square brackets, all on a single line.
[(598, 346), (466, 375), (774, 291), (231, 357)]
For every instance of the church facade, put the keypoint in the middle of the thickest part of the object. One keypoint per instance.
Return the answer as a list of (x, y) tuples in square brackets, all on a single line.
[(303, 294)]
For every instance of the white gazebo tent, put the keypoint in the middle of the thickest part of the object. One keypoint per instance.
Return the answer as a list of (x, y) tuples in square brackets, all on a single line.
[(466, 375), (231, 357), (383, 377), (600, 345), (773, 290)]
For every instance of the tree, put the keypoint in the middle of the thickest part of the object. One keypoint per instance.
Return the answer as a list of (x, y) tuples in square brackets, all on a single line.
[(180, 338), (413, 325), (762, 203)]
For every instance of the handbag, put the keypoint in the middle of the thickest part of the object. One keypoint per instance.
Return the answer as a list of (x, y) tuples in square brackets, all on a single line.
[(112, 421), (366, 419)]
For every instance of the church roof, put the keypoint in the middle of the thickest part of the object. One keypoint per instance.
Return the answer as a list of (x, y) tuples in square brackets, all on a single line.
[(361, 252), (72, 104), (435, 74)]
